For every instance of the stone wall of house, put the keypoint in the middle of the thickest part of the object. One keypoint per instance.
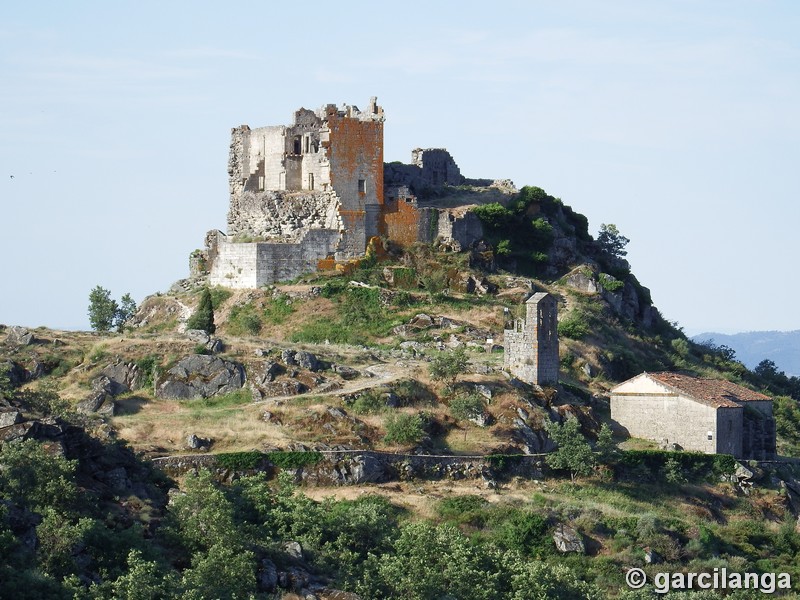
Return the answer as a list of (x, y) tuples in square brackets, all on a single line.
[(672, 419)]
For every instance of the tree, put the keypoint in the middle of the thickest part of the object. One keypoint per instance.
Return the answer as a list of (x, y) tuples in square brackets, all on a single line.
[(127, 308), (447, 366), (203, 317), (105, 313), (102, 309), (574, 453), (612, 241), (466, 407), (605, 447)]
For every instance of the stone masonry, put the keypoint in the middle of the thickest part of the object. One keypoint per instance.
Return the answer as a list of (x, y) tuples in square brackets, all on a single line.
[(531, 344), (306, 195)]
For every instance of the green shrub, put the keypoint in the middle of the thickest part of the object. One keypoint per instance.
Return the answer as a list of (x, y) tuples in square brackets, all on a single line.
[(370, 402), (218, 295), (244, 319), (574, 326), (494, 216), (201, 349), (238, 461), (611, 284), (403, 428), (501, 463), (147, 367), (278, 309), (693, 465), (467, 509), (293, 460), (503, 248)]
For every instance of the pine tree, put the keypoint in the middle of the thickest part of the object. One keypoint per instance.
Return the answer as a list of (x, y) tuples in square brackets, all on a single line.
[(203, 317)]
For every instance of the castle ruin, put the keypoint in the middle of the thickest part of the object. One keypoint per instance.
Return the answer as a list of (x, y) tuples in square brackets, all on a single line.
[(309, 195), (531, 344)]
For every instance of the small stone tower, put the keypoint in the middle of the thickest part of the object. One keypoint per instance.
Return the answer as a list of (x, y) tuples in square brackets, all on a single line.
[(531, 345)]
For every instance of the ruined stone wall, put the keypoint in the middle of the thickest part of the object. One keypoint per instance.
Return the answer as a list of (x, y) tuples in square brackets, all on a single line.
[(355, 152), (282, 215), (531, 347), (254, 264), (430, 167), (235, 265)]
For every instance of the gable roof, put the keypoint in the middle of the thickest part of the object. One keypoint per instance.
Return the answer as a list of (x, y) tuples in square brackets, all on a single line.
[(718, 393)]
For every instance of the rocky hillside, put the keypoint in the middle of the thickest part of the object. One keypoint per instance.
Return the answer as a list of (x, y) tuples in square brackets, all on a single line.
[(385, 378)]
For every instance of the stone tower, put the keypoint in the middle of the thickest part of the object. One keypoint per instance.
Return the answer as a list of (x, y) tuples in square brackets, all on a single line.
[(531, 344)]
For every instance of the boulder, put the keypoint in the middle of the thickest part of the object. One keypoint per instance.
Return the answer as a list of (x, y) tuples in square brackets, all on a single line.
[(200, 376), (651, 557), (266, 372), (124, 377), (267, 576), (9, 417), (99, 402), (582, 279), (422, 321), (345, 372), (193, 442), (15, 373), (215, 346), (197, 335), (293, 549), (287, 356), (534, 442), (568, 540), (19, 336), (306, 360)]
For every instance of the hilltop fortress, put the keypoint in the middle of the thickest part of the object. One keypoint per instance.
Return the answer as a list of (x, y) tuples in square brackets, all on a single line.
[(310, 195)]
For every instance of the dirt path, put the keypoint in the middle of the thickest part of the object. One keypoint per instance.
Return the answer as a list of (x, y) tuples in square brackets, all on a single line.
[(380, 374)]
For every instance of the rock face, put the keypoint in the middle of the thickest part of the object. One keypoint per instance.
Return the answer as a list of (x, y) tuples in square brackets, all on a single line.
[(19, 336), (200, 376), (99, 401), (9, 416), (123, 376), (568, 540)]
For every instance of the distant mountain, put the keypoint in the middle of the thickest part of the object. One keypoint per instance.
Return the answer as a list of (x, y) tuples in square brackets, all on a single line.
[(782, 347)]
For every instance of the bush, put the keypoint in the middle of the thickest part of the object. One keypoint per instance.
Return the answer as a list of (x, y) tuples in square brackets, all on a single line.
[(293, 460), (403, 429), (574, 326), (448, 365), (369, 402), (611, 284), (494, 216), (238, 461), (503, 248), (244, 319), (278, 309), (218, 295)]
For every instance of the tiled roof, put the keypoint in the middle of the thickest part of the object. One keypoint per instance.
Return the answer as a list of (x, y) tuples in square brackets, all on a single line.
[(714, 392)]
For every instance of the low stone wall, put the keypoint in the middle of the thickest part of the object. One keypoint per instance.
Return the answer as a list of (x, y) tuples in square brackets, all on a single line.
[(353, 467)]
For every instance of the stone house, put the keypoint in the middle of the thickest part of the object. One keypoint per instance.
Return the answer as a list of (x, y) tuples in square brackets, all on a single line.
[(699, 414)]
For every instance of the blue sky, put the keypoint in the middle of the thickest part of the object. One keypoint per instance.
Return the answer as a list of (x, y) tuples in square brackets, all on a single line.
[(675, 120)]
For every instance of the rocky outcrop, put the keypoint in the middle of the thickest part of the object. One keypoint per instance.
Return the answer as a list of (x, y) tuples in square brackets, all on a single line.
[(568, 540), (19, 336), (200, 376), (123, 377)]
